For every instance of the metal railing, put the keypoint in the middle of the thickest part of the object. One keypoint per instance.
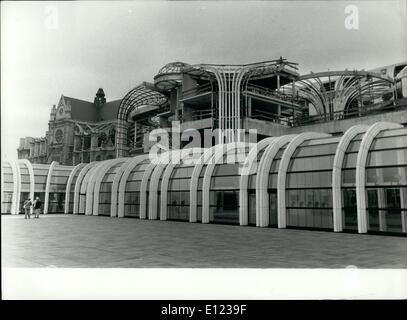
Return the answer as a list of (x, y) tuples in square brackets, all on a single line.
[(197, 115), (377, 108), (272, 117), (271, 93), (205, 88)]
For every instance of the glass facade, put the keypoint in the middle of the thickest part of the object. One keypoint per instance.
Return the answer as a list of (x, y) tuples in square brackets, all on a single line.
[(224, 189), (132, 191), (7, 186), (25, 187), (105, 191), (178, 192), (72, 191), (272, 187), (348, 185), (56, 198), (309, 184), (199, 193), (386, 185), (40, 178)]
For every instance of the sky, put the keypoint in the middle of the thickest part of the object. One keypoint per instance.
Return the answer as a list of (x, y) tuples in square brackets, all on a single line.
[(74, 48)]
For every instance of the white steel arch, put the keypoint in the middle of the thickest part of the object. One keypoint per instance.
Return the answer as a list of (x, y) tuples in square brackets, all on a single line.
[(95, 189), (115, 187), (166, 179), (143, 189), (68, 185), (17, 209), (367, 140), (217, 157), (78, 184), (16, 183), (249, 168), (193, 197), (282, 172), (119, 185), (87, 182), (48, 185), (3, 165), (262, 179), (343, 145), (164, 161), (32, 180)]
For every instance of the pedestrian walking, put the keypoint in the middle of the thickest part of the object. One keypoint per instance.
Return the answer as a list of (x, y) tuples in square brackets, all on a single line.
[(27, 208), (37, 207)]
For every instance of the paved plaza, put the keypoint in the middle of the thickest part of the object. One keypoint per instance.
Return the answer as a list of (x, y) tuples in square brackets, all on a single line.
[(92, 241)]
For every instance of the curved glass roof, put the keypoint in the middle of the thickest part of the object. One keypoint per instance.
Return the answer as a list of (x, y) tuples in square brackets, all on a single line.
[(172, 67)]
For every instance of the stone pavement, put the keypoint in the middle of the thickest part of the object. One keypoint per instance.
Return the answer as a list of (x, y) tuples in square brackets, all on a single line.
[(91, 241)]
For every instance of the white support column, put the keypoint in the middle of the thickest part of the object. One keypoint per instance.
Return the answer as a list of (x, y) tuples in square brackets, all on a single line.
[(262, 179), (68, 185), (343, 144), (17, 206), (119, 185), (32, 176), (166, 179), (282, 172), (217, 158), (249, 168), (143, 189), (90, 183), (193, 197), (78, 184), (83, 186), (165, 160), (221, 90), (367, 140), (48, 185), (98, 181), (30, 169), (16, 184)]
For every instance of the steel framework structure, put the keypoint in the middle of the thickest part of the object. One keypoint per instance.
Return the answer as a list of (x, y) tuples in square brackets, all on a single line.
[(139, 96), (231, 79), (344, 87)]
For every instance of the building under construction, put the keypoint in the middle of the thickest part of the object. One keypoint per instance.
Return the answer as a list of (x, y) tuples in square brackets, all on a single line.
[(330, 151)]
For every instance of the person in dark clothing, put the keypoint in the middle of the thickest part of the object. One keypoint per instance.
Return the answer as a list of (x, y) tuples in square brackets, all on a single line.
[(37, 207)]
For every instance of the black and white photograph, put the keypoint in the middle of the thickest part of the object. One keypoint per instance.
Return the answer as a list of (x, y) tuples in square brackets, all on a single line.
[(203, 150)]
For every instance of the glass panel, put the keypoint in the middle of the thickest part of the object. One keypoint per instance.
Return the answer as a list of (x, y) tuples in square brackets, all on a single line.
[(273, 208), (389, 142), (350, 209), (349, 176), (310, 218), (226, 207), (373, 209), (252, 208), (226, 169), (56, 202), (231, 182), (387, 158), (314, 150)]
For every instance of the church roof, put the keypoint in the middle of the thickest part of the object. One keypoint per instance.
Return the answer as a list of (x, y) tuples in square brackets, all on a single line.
[(108, 110), (82, 110)]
